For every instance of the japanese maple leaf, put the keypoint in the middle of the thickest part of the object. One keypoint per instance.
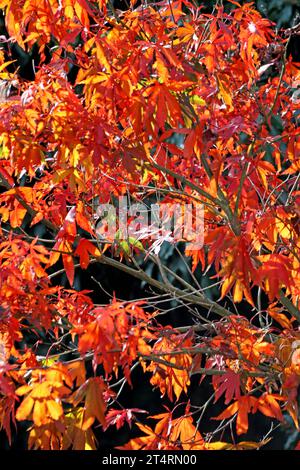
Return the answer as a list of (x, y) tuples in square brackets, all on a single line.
[(243, 406), (92, 392), (266, 404), (119, 417), (229, 384)]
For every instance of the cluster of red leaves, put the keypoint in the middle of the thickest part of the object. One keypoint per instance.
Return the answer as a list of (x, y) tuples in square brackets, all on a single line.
[(144, 76)]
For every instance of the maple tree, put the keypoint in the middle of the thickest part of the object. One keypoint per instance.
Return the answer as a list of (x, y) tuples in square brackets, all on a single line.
[(169, 104)]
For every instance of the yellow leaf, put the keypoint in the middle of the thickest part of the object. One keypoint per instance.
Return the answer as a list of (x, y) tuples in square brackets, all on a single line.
[(23, 390), (162, 69), (238, 292), (39, 415), (41, 390), (226, 286), (282, 229), (6, 64)]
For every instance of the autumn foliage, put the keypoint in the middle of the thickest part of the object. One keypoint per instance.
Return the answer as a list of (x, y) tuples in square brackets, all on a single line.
[(172, 104)]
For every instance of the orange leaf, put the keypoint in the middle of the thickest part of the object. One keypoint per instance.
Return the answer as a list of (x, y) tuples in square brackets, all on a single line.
[(24, 410), (69, 267), (243, 406)]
